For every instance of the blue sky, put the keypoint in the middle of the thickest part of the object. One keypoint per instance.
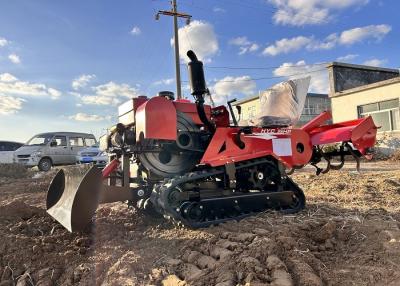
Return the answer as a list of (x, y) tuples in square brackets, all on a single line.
[(66, 65)]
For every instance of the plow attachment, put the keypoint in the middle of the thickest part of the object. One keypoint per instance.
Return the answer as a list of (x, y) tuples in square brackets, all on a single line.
[(361, 132), (75, 193)]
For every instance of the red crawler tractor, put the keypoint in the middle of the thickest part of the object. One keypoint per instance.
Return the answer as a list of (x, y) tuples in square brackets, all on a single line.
[(185, 161)]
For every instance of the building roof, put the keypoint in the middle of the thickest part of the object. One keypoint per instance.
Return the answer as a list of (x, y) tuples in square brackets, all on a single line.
[(253, 97), (246, 99), (313, 94), (368, 86), (362, 67), (349, 78)]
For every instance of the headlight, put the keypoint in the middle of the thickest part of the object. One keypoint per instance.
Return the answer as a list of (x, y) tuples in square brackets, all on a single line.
[(103, 153), (36, 154)]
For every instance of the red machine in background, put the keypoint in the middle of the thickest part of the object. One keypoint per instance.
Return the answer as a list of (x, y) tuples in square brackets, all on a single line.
[(185, 161)]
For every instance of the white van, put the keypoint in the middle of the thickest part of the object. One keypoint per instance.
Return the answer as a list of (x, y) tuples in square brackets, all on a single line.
[(56, 148)]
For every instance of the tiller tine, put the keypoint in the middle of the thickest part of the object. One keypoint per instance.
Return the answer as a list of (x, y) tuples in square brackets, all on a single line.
[(74, 195)]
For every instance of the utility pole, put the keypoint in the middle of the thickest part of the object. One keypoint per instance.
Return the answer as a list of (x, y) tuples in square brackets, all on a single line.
[(174, 13)]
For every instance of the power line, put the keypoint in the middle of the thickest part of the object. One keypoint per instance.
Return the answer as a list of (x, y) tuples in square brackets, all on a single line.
[(249, 68), (271, 77), (262, 68), (188, 38)]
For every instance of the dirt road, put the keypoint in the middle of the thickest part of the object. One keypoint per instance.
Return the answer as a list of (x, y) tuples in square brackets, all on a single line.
[(348, 235)]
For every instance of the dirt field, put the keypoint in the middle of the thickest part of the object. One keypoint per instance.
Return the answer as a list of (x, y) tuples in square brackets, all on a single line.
[(348, 235)]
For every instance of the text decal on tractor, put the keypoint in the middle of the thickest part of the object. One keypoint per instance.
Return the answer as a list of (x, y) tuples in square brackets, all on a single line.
[(196, 167)]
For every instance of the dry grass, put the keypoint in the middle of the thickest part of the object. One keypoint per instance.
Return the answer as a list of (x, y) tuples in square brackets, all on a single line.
[(395, 156), (350, 190)]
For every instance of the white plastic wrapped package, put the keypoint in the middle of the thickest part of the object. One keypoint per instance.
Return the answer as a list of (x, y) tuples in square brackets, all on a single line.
[(282, 104)]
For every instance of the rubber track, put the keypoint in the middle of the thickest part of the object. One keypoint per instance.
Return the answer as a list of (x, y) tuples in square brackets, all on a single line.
[(162, 190)]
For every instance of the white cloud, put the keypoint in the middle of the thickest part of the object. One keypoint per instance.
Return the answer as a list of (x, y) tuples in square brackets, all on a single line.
[(100, 100), (14, 58), (3, 42), (219, 10), (54, 93), (114, 89), (10, 104), (287, 45), (228, 86), (309, 12), (347, 58), (326, 44), (166, 81), (110, 93), (186, 87), (319, 75), (240, 41), (136, 31), (200, 37), (82, 81), (253, 47), (10, 85), (375, 62), (6, 77), (347, 37), (360, 34), (88, 117), (244, 45)]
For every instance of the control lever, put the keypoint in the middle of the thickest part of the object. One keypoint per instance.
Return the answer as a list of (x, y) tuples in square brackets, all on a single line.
[(239, 111), (231, 111)]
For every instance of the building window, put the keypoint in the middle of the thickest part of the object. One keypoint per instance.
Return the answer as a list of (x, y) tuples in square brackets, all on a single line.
[(315, 105), (384, 114), (251, 111)]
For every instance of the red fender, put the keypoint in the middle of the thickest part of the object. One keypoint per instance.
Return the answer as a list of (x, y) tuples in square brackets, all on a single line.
[(291, 146)]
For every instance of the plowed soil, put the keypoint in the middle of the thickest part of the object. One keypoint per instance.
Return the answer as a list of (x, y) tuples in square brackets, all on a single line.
[(348, 235)]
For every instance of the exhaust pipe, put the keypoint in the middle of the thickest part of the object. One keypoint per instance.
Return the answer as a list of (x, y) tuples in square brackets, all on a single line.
[(75, 193)]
